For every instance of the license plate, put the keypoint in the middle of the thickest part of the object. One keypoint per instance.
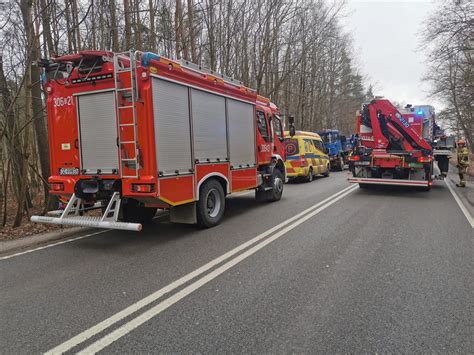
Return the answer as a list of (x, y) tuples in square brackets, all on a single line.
[(364, 163), (415, 165), (68, 171)]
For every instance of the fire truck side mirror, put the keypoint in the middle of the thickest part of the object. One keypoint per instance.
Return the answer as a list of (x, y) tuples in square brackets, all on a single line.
[(291, 121)]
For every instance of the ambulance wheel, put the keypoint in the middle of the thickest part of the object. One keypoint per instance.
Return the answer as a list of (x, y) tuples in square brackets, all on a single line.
[(133, 213), (211, 204), (309, 177), (327, 172)]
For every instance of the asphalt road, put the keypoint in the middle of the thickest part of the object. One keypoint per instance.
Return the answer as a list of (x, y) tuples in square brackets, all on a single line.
[(380, 270)]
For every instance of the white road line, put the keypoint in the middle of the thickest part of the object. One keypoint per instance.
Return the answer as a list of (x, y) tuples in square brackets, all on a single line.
[(463, 208), (96, 329), (53, 244), (154, 311), (65, 241)]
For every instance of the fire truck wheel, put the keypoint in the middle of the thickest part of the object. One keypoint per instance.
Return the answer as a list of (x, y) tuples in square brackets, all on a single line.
[(277, 184), (133, 213), (211, 204)]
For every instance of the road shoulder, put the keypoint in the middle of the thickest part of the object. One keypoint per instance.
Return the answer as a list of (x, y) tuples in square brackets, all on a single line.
[(17, 245)]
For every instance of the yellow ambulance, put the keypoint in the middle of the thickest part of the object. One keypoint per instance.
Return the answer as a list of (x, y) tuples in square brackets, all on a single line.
[(305, 156)]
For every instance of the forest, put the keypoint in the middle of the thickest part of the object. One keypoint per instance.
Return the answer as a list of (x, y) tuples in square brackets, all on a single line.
[(293, 51)]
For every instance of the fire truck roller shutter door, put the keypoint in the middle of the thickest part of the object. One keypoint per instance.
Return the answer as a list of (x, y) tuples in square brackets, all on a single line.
[(98, 132), (240, 116), (172, 127), (209, 126)]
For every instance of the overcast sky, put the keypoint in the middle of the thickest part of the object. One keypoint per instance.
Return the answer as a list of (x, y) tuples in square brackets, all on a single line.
[(387, 46)]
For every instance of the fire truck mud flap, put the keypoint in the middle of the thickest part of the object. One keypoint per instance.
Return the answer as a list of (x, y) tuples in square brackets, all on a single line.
[(392, 182), (71, 216)]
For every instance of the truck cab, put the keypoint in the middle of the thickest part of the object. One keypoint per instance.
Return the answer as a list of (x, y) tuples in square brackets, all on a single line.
[(270, 133), (335, 145)]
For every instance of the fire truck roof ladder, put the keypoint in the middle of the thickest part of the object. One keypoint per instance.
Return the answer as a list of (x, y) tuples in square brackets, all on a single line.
[(203, 70), (125, 101)]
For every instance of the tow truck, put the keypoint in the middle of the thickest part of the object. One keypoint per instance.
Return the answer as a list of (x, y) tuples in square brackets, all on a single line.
[(398, 147), (133, 132)]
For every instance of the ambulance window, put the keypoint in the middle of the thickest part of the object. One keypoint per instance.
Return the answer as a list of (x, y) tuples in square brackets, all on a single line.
[(318, 145), (278, 127), (262, 125), (308, 145)]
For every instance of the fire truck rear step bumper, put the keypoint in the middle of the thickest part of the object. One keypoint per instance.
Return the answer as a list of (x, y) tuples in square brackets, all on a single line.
[(71, 216), (393, 182), (85, 221)]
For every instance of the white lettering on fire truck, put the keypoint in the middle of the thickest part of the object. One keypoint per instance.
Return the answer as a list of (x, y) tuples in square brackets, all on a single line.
[(62, 101), (265, 148)]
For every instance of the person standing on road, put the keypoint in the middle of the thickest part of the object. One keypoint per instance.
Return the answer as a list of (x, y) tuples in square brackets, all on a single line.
[(463, 162)]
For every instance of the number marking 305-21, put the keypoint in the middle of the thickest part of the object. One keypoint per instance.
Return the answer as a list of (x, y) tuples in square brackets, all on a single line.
[(62, 101)]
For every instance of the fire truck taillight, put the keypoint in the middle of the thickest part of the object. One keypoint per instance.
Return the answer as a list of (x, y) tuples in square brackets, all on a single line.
[(143, 188), (355, 158), (424, 159), (59, 186)]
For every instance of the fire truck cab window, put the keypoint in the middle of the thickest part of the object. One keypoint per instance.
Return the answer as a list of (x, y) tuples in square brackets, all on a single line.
[(278, 126), (262, 125)]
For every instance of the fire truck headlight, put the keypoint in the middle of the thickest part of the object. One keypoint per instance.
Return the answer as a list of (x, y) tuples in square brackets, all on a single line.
[(49, 89)]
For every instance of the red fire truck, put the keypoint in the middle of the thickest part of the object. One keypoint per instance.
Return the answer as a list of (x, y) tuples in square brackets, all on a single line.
[(133, 132), (398, 147)]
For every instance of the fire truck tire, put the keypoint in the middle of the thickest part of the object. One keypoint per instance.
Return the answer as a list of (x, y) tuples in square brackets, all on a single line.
[(133, 213), (364, 186), (211, 204), (277, 183)]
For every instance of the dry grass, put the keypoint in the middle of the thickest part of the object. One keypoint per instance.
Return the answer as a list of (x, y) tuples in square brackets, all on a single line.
[(27, 228)]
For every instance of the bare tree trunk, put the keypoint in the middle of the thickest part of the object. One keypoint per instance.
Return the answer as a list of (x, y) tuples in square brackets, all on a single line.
[(138, 26), (128, 26), (46, 23), (192, 36), (212, 36), (6, 177), (114, 26), (13, 141), (75, 18), (93, 30), (34, 85), (178, 29), (152, 42), (70, 36)]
